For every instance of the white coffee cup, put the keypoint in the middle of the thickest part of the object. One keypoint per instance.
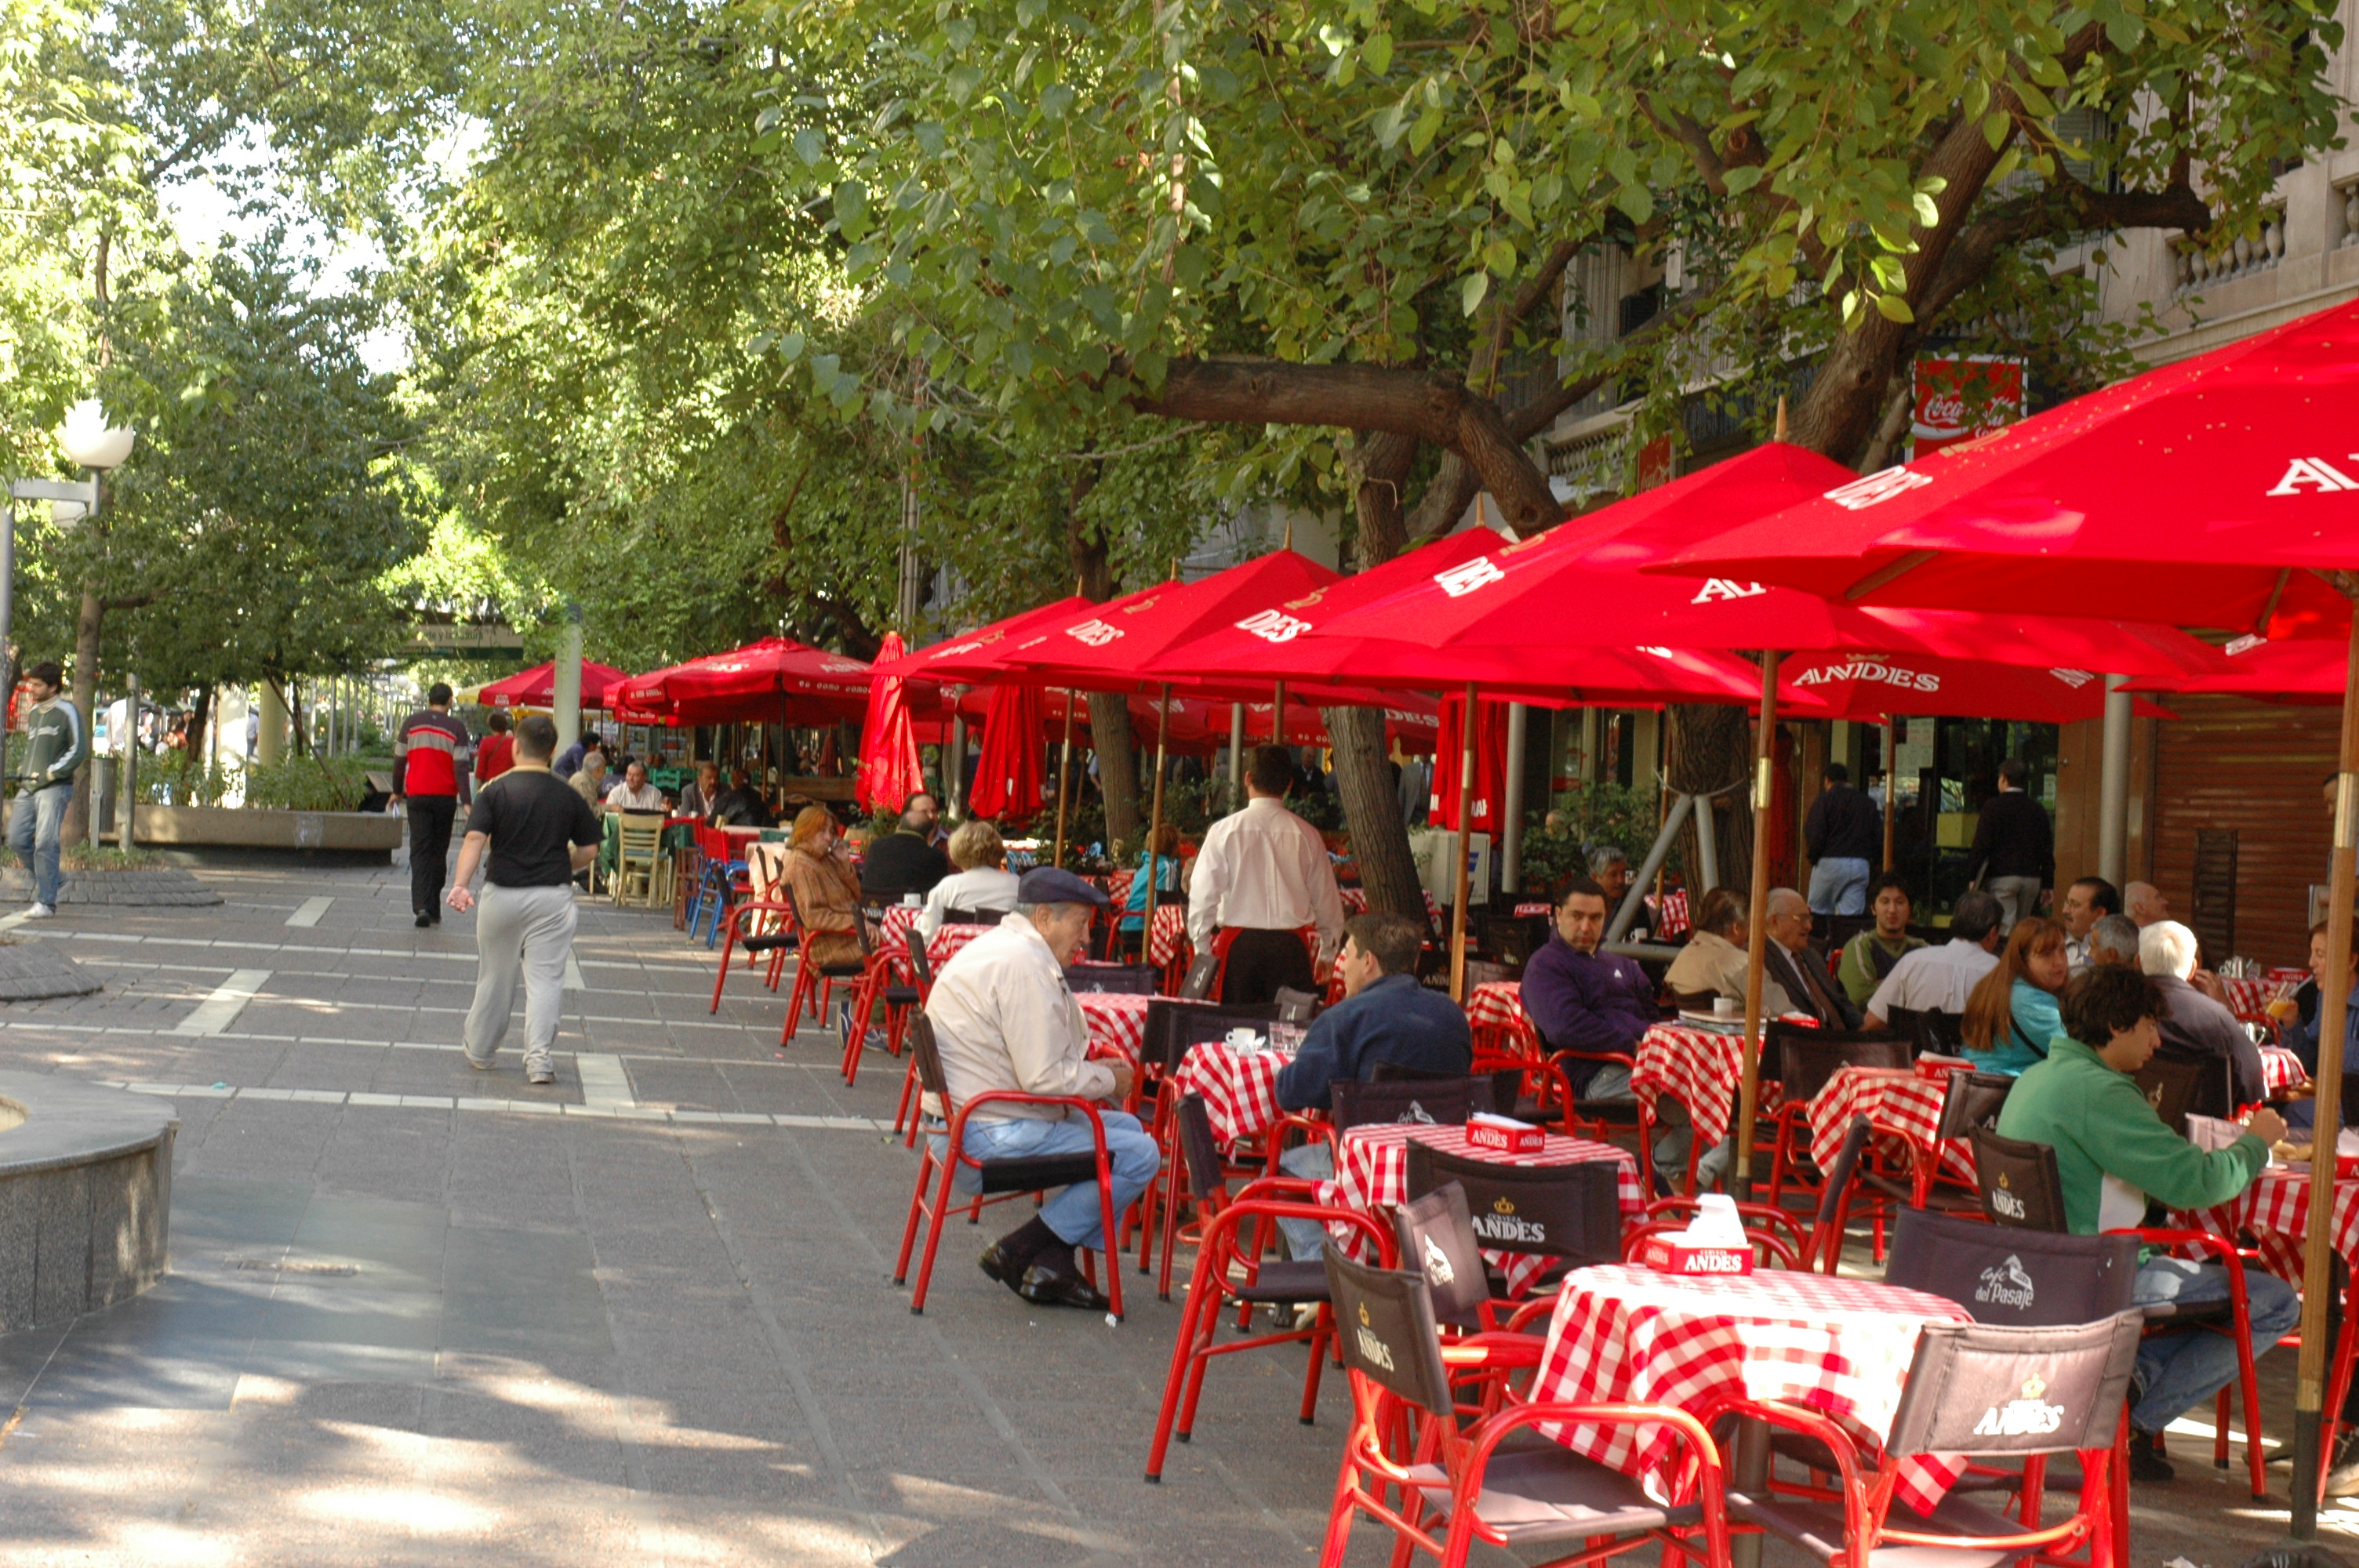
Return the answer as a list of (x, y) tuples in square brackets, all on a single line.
[(1242, 1039), (1723, 1007), (911, 901)]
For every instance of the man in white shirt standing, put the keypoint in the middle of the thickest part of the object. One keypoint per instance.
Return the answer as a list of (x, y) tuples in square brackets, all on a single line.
[(1262, 876), (1941, 979), (1005, 1018)]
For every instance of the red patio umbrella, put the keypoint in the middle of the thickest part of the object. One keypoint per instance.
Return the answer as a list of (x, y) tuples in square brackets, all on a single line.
[(890, 768), (1490, 792), (969, 657), (537, 687), (1872, 685), (1007, 772), (2292, 669), (774, 681), (2216, 491)]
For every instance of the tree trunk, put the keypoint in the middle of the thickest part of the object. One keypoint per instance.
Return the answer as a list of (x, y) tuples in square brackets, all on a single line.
[(1364, 774), (200, 720), (88, 624), (1110, 736), (1711, 749)]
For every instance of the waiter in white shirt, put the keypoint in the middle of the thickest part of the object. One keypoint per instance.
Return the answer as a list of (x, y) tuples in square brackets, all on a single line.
[(1262, 877)]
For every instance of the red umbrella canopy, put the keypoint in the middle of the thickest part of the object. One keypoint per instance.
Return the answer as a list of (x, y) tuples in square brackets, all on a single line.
[(1490, 797), (2296, 669), (890, 768), (972, 656), (1007, 775), (537, 687), (1870, 686), (2203, 493), (1550, 600), (1198, 726), (774, 681)]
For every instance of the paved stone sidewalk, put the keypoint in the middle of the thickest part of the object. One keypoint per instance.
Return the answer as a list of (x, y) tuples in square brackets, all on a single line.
[(425, 1316)]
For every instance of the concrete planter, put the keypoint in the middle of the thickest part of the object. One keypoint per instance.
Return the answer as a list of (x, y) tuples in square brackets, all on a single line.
[(369, 837), (85, 1197)]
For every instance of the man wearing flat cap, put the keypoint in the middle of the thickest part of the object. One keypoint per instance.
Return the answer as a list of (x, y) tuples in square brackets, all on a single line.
[(1005, 1018)]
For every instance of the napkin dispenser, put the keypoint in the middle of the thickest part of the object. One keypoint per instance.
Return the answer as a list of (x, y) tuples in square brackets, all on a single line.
[(1504, 1133), (1712, 1243)]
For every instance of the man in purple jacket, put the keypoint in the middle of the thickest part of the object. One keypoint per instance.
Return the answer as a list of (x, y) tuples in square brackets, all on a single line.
[(1590, 1003)]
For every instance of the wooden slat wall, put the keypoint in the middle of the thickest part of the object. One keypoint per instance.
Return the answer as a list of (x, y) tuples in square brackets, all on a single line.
[(2255, 767)]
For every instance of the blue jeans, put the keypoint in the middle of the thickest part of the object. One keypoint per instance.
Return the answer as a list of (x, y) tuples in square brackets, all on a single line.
[(1839, 885), (33, 834), (2179, 1371), (1072, 1214), (1316, 1159)]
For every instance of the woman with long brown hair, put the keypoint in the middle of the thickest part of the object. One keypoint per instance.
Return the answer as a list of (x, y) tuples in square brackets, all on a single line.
[(2012, 1014), (827, 892)]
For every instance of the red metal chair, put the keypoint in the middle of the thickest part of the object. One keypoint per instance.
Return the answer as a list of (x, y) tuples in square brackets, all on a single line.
[(999, 1180), (815, 984), (1492, 1481), (921, 975), (1228, 1271), (1976, 1391), (879, 982), (773, 945)]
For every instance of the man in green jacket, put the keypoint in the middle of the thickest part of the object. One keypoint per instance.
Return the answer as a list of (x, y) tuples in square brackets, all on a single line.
[(54, 747), (2114, 1153)]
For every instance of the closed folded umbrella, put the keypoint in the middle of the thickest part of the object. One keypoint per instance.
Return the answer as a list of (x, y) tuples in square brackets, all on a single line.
[(1008, 774), (890, 768), (1489, 795)]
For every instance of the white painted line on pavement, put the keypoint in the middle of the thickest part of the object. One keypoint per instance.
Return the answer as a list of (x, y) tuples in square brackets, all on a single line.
[(10, 922), (218, 1011), (603, 1081), (308, 913), (610, 1112), (573, 980)]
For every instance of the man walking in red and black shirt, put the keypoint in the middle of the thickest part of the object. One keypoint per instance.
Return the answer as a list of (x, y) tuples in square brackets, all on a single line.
[(429, 768)]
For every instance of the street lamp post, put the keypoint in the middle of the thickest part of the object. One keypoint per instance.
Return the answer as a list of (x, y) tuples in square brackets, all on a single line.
[(89, 442)]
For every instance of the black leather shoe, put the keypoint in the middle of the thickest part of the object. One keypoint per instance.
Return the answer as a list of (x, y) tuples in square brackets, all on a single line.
[(2148, 1461), (1044, 1289), (999, 1266), (424, 920)]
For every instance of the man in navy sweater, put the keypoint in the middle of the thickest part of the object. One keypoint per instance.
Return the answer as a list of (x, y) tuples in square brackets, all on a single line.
[(1590, 1003), (1385, 1016)]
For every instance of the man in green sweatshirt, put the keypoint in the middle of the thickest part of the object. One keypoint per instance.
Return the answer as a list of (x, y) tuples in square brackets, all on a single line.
[(53, 747), (2114, 1153)]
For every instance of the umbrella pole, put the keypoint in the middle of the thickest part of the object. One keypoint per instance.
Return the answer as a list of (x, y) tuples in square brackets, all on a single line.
[(1465, 812), (1064, 773), (1155, 826), (2317, 1242), (1278, 717), (1756, 931), (1891, 788)]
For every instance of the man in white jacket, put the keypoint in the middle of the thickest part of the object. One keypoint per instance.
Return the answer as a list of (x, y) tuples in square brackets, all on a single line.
[(1005, 1018), (1262, 878)]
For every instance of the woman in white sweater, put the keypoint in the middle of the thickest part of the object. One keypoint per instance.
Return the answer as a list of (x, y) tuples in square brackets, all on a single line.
[(982, 882)]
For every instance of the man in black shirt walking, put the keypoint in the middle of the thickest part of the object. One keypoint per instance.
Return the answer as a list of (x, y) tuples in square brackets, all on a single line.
[(1842, 834), (538, 831), (2013, 853)]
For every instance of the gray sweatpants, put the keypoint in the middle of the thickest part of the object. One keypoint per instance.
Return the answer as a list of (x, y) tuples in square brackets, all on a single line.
[(520, 934)]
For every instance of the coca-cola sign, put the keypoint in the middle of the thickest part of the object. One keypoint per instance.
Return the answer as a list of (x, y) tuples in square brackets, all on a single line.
[(1963, 397)]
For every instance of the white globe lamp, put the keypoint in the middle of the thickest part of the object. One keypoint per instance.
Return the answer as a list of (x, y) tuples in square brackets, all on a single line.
[(90, 441)]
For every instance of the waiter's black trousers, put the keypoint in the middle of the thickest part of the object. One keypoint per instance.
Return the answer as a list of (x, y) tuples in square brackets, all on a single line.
[(430, 849), (1261, 961)]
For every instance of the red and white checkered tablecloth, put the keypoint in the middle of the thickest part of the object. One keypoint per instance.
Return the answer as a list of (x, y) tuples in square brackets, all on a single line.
[(1117, 1022), (2280, 1068), (1239, 1088), (1496, 1013), (946, 941), (2251, 998), (1701, 1068), (1623, 1334), (2275, 1209), (1371, 1173), (894, 944), (893, 930), (1899, 1101), (1170, 937)]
